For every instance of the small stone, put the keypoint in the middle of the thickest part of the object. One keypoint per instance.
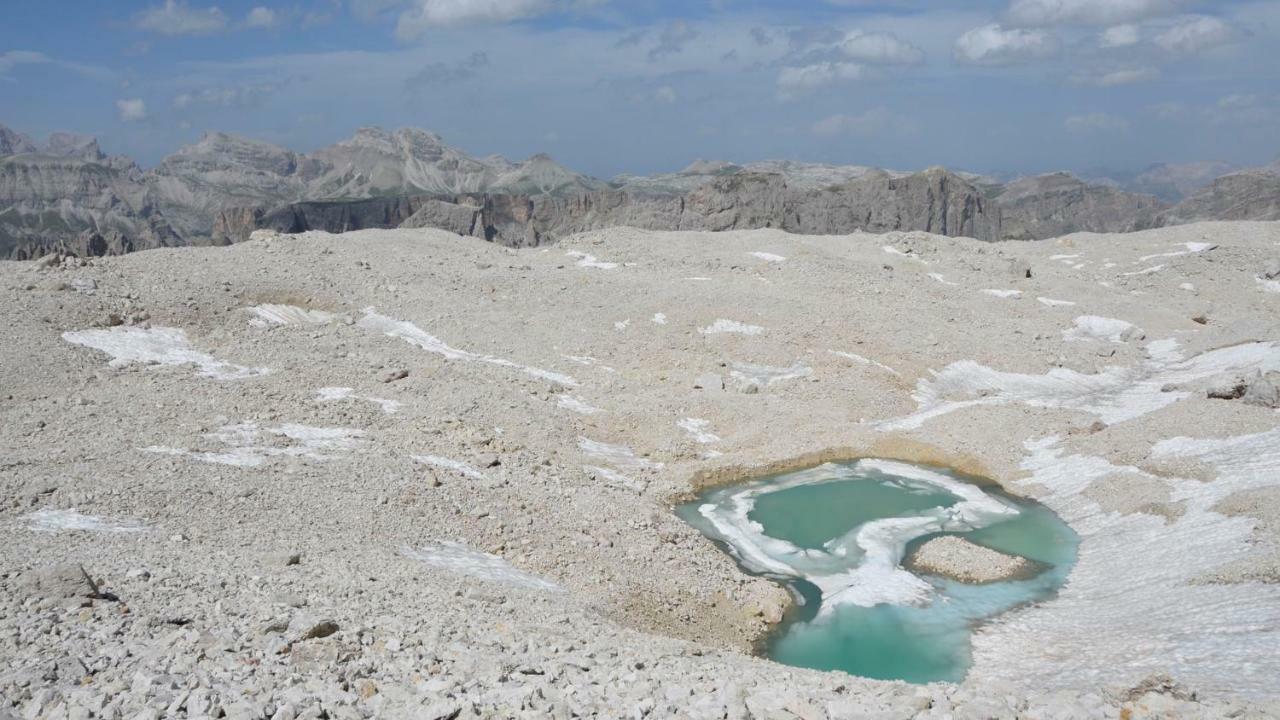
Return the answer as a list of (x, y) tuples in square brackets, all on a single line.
[(312, 629), (393, 375)]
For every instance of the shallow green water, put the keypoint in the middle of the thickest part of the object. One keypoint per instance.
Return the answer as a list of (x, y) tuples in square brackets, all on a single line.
[(828, 527)]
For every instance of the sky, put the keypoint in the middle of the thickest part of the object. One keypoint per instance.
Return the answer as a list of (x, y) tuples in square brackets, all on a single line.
[(644, 86)]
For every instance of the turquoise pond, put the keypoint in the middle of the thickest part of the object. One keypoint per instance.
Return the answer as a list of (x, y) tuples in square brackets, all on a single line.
[(835, 536)]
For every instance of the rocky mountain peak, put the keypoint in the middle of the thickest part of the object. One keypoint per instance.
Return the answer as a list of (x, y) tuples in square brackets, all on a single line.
[(84, 147), (15, 143)]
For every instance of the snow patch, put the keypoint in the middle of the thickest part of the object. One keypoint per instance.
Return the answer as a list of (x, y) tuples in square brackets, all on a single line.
[(1054, 303), (332, 394), (462, 560), (590, 261), (865, 361), (659, 319), (573, 404), (697, 429), (766, 375), (158, 346), (769, 257), (49, 520), (1002, 293), (415, 335), (1092, 327), (445, 463), (1114, 395), (248, 445), (293, 315), (731, 326), (941, 278)]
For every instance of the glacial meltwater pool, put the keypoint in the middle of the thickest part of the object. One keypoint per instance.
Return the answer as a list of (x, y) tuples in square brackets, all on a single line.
[(836, 536)]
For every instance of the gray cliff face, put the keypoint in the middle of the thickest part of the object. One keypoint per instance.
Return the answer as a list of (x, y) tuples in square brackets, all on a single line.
[(66, 194), (49, 203), (194, 184), (1057, 204), (1249, 195)]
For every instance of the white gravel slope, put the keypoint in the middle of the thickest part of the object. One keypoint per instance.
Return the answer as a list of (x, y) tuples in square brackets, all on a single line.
[(432, 477)]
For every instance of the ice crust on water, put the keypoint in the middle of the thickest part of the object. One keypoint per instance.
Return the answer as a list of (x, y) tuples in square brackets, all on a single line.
[(731, 326), (1115, 613), (462, 560), (1114, 395), (50, 520), (862, 567), (158, 346), (248, 445), (331, 394), (415, 335)]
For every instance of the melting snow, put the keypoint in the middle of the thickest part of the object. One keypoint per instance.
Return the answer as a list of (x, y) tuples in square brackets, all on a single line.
[(865, 361), (330, 394), (770, 257), (158, 346), (659, 319), (1114, 395), (571, 403), (454, 465), (1144, 271), (293, 315), (1054, 303), (1003, 293), (1135, 603), (765, 375), (697, 430), (460, 559), (58, 520), (1092, 327), (731, 326), (941, 278), (590, 261), (246, 448), (415, 335)]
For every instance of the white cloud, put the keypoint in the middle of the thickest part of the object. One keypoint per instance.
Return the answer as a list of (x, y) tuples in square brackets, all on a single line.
[(260, 17), (673, 39), (1045, 13), (426, 14), (13, 58), (1095, 122), (808, 77), (871, 122), (175, 17), (1114, 78), (132, 110), (1119, 36), (665, 94), (994, 45), (876, 48), (1196, 33)]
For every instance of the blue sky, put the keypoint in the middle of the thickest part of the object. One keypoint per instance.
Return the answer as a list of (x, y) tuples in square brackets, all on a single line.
[(612, 86)]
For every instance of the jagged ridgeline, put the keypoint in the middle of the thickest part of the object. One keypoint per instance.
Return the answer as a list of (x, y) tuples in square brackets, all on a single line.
[(66, 195)]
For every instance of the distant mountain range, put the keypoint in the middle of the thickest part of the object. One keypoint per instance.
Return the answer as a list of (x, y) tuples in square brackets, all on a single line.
[(65, 194)]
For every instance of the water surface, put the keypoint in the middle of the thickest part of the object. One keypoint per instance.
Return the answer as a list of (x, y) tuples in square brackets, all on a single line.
[(835, 535)]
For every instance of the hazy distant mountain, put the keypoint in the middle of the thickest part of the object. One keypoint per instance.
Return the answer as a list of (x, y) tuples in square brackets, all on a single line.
[(1060, 203), (67, 194), (1247, 195)]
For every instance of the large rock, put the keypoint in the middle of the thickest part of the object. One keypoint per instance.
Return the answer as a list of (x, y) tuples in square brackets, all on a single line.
[(1250, 195), (958, 559), (1058, 204)]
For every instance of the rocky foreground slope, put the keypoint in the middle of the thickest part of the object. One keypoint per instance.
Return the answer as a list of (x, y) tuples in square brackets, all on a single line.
[(66, 195), (408, 474)]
